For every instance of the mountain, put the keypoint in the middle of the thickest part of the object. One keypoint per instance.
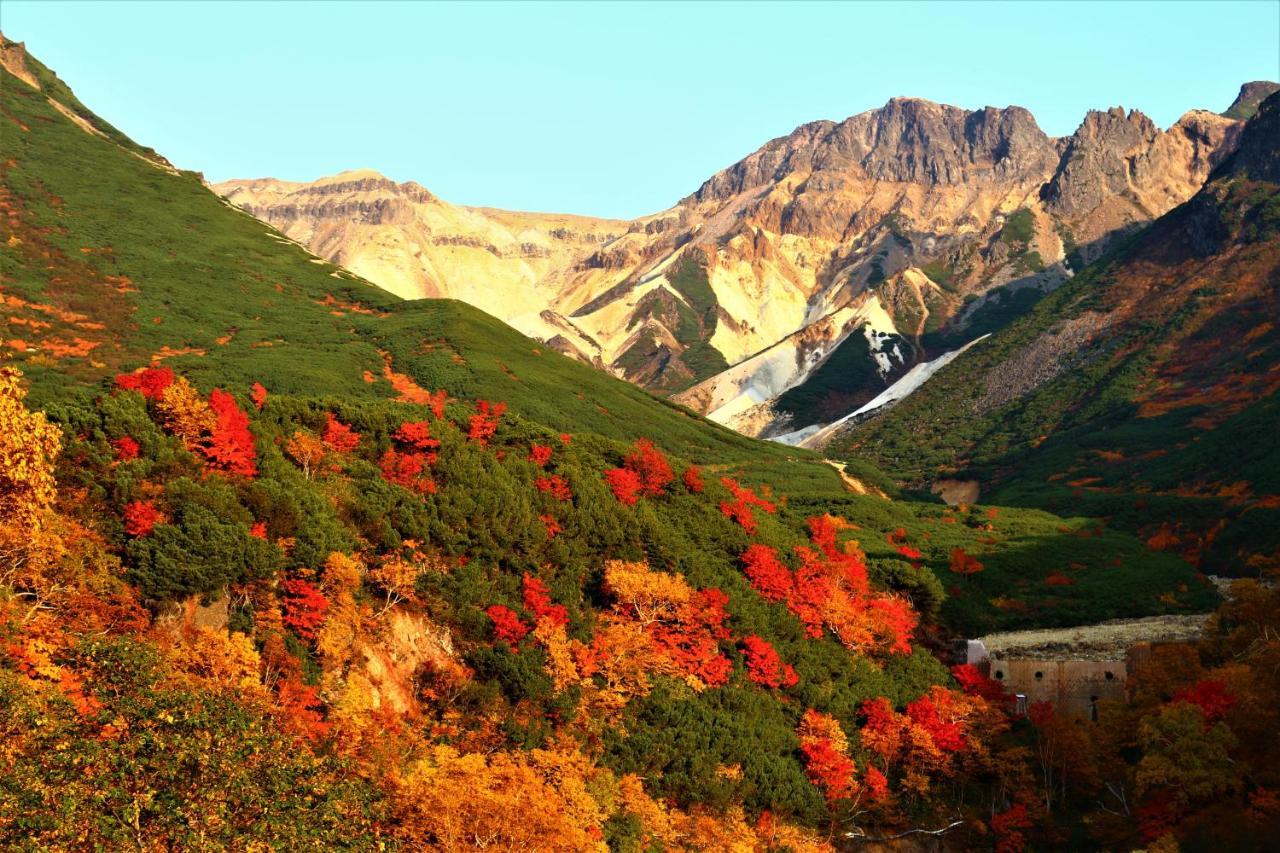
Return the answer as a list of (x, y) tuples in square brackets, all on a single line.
[(1143, 391), (885, 232), (381, 574)]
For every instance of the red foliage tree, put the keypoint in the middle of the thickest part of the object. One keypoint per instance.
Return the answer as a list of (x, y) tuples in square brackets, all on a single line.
[(556, 486), (417, 434), (692, 640), (1008, 826), (406, 470), (302, 709), (565, 438), (625, 484), (506, 624), (140, 518), (740, 508), (484, 423), (765, 666), (693, 480), (876, 783), (258, 530), (126, 448), (811, 591), (767, 574), (537, 600), (540, 454), (963, 564), (973, 682), (1211, 696), (437, 403), (825, 749), (258, 394), (339, 436), (910, 552), (150, 382), (230, 448), (928, 711), (741, 514), (304, 607), (650, 466), (551, 525)]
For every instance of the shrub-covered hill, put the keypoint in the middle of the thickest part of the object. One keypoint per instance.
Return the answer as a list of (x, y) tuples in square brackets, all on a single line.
[(291, 563), (110, 262), (1143, 391), (442, 600)]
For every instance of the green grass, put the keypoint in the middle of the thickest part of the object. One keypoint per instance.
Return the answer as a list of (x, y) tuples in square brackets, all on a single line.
[(1020, 227)]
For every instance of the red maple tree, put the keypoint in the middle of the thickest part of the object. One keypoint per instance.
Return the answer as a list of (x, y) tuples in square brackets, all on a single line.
[(506, 624), (764, 665), (417, 434), (537, 600), (140, 518), (126, 448), (230, 447), (339, 436), (556, 486), (149, 382), (484, 423), (625, 484), (540, 454), (650, 466), (304, 607)]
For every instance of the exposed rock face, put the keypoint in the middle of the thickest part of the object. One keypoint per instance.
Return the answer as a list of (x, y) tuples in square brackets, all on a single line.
[(917, 206), (1120, 170)]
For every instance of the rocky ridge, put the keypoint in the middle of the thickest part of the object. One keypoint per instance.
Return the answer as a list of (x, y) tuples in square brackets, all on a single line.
[(922, 208)]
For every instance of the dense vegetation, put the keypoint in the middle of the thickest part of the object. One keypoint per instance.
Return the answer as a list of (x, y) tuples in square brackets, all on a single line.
[(287, 563)]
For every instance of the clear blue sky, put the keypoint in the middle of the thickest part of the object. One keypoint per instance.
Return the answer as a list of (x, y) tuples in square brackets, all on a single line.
[(613, 110)]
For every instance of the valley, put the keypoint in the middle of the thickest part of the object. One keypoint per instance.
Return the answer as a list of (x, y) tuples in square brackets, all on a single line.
[(336, 515)]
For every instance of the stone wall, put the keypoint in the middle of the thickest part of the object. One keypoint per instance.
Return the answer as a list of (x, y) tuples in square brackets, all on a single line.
[(1073, 686)]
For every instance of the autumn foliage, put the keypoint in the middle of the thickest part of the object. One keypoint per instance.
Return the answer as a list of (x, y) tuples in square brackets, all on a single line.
[(149, 382), (140, 518), (304, 607), (126, 448), (764, 665), (230, 446), (537, 600), (741, 508), (556, 486), (337, 436), (507, 625), (826, 753), (484, 422), (830, 589)]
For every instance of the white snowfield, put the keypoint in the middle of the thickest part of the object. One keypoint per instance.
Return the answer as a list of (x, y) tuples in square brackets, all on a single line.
[(816, 436), (786, 364)]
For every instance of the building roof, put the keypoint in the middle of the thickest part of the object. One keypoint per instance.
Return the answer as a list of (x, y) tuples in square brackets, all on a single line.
[(1101, 641)]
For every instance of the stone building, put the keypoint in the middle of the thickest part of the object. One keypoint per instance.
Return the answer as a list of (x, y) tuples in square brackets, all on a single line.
[(1075, 668)]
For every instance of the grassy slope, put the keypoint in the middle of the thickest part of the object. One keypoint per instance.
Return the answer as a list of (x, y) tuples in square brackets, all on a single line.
[(169, 265)]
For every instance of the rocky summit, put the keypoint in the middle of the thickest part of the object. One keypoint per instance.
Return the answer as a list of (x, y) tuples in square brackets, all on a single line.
[(897, 229)]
